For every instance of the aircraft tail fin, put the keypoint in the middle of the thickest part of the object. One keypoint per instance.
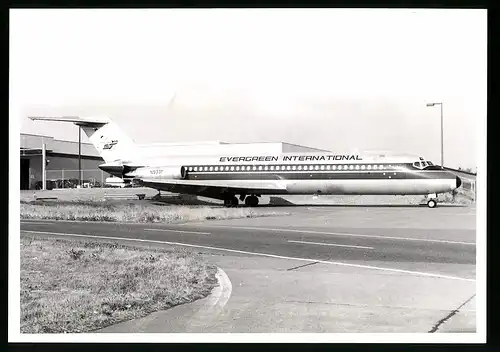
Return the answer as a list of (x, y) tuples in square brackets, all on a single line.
[(109, 140)]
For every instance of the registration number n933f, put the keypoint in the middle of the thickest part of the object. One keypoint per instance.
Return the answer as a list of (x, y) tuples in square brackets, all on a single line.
[(156, 171)]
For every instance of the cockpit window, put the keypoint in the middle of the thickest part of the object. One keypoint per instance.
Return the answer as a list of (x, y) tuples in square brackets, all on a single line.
[(427, 165)]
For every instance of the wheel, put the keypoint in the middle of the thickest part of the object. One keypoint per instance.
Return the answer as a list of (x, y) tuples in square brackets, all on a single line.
[(252, 201), (431, 203), (234, 202), (231, 202)]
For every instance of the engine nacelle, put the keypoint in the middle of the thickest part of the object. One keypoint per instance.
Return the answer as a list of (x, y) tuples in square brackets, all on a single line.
[(166, 172), (116, 169)]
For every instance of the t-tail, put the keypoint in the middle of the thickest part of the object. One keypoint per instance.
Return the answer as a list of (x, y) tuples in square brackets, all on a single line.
[(113, 145)]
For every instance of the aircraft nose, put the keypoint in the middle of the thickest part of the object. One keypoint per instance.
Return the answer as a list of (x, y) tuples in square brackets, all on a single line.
[(459, 182)]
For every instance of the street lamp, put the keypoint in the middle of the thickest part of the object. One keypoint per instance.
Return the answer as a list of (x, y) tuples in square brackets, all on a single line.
[(440, 104), (80, 156)]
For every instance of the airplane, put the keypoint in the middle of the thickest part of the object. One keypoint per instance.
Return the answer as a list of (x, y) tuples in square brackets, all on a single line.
[(235, 178)]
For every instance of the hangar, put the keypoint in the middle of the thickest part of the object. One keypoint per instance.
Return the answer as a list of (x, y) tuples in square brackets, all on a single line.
[(62, 169), (61, 166)]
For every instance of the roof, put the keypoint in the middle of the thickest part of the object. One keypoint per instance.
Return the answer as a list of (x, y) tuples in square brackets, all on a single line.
[(33, 142)]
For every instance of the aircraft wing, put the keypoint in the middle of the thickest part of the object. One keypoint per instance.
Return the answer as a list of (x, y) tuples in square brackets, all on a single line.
[(215, 189)]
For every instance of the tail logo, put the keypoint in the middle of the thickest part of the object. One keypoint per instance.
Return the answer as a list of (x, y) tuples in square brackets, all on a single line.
[(110, 144)]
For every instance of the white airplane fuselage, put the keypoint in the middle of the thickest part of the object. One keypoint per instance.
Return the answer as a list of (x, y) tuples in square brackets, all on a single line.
[(299, 173)]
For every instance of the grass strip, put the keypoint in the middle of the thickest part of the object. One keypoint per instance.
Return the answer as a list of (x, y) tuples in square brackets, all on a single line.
[(141, 213), (78, 285)]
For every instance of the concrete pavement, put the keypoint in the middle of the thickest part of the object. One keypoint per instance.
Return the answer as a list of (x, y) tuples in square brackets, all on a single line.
[(323, 269)]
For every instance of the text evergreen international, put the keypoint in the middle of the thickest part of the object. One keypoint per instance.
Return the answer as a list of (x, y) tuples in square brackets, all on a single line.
[(290, 158)]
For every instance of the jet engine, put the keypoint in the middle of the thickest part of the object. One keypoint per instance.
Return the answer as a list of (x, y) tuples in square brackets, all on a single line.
[(164, 172)]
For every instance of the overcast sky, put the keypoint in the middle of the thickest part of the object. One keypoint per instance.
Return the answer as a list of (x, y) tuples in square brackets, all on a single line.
[(334, 79)]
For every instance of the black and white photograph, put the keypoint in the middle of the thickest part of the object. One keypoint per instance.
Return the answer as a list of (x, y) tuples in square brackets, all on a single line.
[(247, 175)]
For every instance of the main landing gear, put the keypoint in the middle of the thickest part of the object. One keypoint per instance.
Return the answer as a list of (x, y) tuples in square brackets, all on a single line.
[(432, 200), (252, 201), (232, 201)]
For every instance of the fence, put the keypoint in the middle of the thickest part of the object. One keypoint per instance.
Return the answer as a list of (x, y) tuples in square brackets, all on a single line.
[(69, 178), (470, 185)]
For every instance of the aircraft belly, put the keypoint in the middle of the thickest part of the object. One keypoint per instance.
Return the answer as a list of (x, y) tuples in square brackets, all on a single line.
[(388, 186), (328, 186)]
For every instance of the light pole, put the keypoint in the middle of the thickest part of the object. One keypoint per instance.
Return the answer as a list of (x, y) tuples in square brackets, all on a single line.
[(441, 105), (79, 156)]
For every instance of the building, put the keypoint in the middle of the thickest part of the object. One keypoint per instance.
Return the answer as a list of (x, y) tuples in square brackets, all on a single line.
[(62, 158), (61, 162)]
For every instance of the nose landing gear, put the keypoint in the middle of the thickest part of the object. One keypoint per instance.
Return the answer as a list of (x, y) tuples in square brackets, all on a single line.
[(432, 200), (431, 203)]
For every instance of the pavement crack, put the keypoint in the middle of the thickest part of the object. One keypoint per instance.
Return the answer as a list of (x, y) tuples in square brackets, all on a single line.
[(301, 266), (358, 305), (452, 313)]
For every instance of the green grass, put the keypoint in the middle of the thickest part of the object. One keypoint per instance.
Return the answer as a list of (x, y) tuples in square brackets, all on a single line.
[(80, 286), (143, 213)]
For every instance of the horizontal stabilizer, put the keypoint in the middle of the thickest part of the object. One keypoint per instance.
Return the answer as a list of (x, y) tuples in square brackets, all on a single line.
[(111, 143), (77, 120)]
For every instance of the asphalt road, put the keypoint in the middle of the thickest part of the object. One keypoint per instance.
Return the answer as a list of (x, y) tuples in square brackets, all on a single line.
[(427, 255), (327, 243)]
